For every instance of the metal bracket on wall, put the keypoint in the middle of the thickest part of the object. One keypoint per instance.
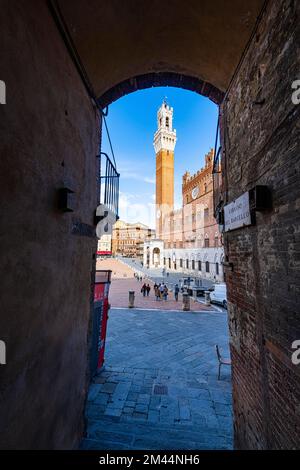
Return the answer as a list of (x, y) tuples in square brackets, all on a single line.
[(65, 200), (228, 265), (260, 198)]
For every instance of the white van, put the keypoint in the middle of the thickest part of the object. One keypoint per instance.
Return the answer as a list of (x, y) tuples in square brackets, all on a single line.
[(219, 295)]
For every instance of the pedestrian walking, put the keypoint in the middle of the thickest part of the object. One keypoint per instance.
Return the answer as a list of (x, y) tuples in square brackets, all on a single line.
[(148, 288), (161, 290), (165, 293), (156, 292), (144, 289), (176, 292)]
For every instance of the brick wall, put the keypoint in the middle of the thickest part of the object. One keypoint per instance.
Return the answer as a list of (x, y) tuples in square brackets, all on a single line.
[(199, 222), (261, 135)]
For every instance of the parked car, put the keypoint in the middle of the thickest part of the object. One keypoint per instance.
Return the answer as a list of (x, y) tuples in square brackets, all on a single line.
[(219, 295)]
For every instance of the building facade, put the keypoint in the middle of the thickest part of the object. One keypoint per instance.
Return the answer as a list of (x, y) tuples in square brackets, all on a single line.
[(192, 242), (104, 245), (128, 239)]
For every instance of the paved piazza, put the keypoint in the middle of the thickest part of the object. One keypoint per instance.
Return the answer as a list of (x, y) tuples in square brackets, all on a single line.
[(159, 387), (123, 281)]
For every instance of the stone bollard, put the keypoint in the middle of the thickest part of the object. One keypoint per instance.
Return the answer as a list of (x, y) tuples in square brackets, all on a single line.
[(131, 299), (186, 303), (207, 297)]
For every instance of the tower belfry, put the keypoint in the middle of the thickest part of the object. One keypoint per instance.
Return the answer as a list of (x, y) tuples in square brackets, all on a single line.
[(164, 145)]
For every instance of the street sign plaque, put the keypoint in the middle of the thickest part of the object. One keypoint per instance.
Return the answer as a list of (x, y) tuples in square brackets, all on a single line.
[(237, 213)]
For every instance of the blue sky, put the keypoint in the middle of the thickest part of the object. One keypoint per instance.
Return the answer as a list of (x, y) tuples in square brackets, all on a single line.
[(132, 122)]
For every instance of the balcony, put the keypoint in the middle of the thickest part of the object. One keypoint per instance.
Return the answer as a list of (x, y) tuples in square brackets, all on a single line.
[(107, 212), (109, 184)]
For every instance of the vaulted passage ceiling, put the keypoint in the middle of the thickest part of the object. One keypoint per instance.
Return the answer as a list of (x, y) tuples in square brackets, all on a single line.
[(118, 40)]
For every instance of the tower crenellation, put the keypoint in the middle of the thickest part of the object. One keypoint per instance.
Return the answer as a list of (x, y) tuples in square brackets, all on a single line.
[(165, 136)]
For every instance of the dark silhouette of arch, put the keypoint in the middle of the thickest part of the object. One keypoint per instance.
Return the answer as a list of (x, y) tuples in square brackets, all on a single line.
[(150, 80)]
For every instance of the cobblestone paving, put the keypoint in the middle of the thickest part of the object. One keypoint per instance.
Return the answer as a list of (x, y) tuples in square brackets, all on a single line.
[(159, 388)]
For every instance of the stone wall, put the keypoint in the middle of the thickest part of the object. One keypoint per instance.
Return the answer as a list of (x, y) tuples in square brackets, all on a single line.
[(49, 138), (261, 134)]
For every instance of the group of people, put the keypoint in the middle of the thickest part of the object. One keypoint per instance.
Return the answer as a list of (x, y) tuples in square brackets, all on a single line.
[(161, 290), (138, 277), (145, 290)]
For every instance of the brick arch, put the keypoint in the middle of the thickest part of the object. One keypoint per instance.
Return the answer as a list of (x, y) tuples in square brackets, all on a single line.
[(149, 80)]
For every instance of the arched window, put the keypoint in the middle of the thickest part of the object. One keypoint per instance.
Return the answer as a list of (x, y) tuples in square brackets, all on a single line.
[(217, 268), (206, 241), (206, 215), (187, 264), (167, 121), (207, 266), (205, 188), (199, 265), (193, 264)]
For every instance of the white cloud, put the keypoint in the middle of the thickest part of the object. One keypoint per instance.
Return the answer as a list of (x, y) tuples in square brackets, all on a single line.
[(136, 176), (132, 210), (149, 180)]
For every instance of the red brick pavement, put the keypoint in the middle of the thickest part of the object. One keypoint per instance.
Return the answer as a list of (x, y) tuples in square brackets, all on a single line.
[(123, 281), (119, 297)]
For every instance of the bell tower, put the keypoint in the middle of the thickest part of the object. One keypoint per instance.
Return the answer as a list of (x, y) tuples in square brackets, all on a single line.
[(164, 145)]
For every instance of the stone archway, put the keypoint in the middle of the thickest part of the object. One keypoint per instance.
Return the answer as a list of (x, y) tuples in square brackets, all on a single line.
[(160, 79), (247, 61), (201, 60), (156, 257), (153, 252)]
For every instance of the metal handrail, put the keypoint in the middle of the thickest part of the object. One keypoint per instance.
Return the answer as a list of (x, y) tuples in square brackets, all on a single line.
[(109, 184)]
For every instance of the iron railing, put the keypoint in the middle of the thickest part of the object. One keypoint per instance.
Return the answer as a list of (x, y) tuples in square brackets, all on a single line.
[(217, 174), (109, 184)]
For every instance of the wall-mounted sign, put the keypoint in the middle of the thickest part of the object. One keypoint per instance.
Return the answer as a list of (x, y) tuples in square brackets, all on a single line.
[(237, 213)]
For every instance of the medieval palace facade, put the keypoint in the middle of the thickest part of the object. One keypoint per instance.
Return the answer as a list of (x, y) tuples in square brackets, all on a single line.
[(188, 239)]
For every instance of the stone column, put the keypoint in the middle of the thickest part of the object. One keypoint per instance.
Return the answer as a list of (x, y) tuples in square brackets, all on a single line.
[(207, 297), (186, 304), (131, 299)]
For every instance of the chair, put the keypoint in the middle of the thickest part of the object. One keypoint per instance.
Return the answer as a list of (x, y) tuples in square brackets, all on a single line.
[(222, 360)]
